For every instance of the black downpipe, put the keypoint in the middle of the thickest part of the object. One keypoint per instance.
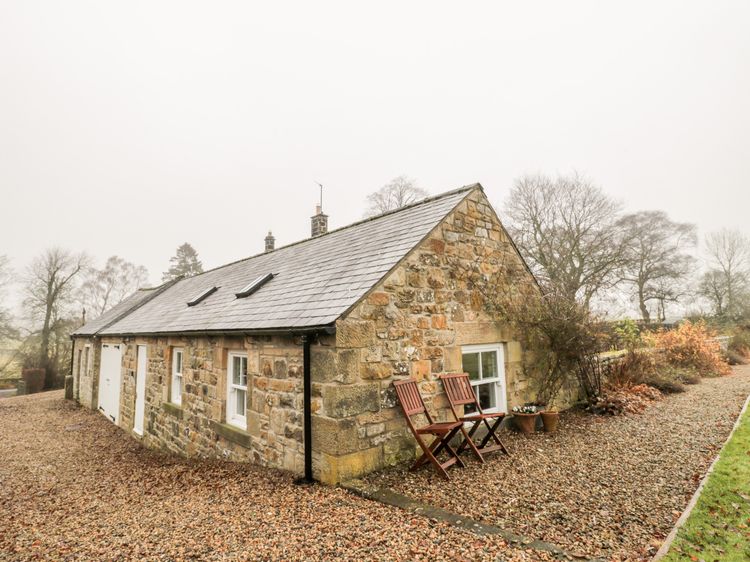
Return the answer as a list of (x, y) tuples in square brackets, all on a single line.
[(307, 399)]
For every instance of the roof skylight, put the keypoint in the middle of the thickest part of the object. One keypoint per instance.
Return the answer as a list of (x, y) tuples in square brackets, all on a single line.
[(202, 295), (254, 285)]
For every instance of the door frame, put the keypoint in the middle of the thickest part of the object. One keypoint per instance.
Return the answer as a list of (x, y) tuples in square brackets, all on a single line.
[(141, 372), (108, 406)]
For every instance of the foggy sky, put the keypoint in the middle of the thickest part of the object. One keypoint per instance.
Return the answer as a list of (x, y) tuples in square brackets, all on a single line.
[(128, 128)]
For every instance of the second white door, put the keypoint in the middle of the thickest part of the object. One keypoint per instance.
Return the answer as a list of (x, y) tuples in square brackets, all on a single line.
[(140, 390)]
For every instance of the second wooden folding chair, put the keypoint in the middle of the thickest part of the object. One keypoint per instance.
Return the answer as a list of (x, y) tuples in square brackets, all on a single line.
[(459, 391), (412, 404)]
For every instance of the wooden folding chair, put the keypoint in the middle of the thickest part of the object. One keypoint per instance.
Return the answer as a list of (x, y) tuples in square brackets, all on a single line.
[(459, 391), (412, 404)]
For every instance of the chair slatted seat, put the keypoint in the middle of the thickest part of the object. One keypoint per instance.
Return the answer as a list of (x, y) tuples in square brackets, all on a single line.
[(459, 391), (412, 404)]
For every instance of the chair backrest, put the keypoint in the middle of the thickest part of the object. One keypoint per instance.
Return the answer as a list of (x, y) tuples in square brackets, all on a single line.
[(409, 397), (458, 389)]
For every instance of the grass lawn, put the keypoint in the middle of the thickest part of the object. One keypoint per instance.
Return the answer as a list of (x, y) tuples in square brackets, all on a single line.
[(719, 526)]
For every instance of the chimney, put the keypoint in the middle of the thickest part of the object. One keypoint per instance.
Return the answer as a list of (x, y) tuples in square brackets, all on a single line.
[(319, 222), (270, 242)]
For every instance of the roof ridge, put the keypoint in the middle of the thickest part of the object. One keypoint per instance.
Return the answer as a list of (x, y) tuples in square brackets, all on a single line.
[(424, 201)]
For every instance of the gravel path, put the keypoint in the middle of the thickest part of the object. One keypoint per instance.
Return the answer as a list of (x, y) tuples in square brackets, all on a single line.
[(609, 487), (75, 487)]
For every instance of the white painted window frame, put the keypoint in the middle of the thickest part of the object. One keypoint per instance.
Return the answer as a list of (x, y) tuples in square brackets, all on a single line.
[(233, 418), (177, 378), (499, 383)]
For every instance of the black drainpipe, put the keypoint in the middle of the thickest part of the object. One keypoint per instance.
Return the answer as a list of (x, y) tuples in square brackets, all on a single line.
[(307, 399)]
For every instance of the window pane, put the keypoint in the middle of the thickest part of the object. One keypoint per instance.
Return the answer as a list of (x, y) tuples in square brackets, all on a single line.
[(487, 395), (236, 371), (240, 402), (178, 362), (243, 370), (489, 365), (471, 365), (178, 386)]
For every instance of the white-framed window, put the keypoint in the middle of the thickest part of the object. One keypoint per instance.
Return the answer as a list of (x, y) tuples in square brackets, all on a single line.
[(176, 390), (486, 367), (237, 389)]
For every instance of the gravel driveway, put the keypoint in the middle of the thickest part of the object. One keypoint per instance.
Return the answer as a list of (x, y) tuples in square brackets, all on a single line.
[(73, 486), (610, 487)]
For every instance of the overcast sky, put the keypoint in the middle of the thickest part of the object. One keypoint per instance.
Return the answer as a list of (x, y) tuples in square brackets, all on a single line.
[(130, 127)]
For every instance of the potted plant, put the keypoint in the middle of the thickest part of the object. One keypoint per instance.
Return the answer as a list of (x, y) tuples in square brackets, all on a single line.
[(525, 418), (550, 419)]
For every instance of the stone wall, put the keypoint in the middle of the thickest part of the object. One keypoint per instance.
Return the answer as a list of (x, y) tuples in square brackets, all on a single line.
[(85, 377), (197, 427), (414, 323)]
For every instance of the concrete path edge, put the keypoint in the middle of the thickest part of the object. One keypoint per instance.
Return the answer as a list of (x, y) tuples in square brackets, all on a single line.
[(394, 499)]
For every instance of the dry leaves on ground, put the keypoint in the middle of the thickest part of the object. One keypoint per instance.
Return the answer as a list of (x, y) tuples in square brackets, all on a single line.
[(602, 486)]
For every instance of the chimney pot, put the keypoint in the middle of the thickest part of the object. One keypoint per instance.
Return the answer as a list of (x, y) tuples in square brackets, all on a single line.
[(270, 242)]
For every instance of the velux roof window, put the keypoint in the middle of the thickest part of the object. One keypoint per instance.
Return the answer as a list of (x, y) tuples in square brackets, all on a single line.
[(254, 285), (202, 296)]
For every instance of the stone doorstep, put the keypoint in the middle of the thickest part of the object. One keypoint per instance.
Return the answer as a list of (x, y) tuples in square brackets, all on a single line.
[(394, 499), (664, 549)]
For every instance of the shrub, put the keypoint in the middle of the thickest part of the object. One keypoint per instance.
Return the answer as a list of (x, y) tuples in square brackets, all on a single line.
[(34, 379), (686, 375), (565, 336), (740, 342), (665, 382), (627, 335), (631, 400), (632, 369), (691, 345), (734, 358)]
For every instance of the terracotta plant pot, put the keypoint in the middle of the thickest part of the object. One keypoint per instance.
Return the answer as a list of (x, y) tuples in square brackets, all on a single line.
[(526, 423), (550, 419)]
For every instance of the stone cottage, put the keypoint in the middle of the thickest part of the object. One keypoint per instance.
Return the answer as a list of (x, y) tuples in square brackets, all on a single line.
[(287, 358)]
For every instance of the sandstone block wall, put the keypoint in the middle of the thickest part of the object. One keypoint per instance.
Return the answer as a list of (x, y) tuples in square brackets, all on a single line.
[(197, 427), (414, 323)]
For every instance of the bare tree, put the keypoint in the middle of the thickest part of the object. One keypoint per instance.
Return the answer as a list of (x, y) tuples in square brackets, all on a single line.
[(50, 282), (104, 288), (184, 263), (397, 193), (655, 263), (6, 321), (729, 271), (566, 229), (712, 287)]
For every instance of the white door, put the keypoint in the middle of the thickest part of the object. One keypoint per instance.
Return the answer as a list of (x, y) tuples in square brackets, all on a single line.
[(109, 381), (140, 390)]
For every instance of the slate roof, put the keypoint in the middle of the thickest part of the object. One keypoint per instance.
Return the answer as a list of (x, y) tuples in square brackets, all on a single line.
[(315, 281), (118, 311)]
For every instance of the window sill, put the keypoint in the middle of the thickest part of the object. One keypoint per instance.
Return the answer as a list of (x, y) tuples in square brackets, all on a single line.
[(232, 433), (172, 409)]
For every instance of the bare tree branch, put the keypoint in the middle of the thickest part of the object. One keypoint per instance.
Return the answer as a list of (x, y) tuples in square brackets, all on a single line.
[(397, 193), (566, 230)]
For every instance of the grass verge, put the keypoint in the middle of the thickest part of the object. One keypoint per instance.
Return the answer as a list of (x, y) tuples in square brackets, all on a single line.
[(718, 528)]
